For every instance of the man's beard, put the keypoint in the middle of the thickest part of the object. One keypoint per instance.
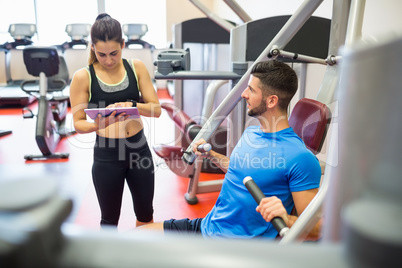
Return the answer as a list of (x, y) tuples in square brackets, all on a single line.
[(262, 108)]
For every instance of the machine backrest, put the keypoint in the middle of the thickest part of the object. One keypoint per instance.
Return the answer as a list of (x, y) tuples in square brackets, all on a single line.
[(181, 119), (63, 75), (310, 120), (41, 60), (46, 60)]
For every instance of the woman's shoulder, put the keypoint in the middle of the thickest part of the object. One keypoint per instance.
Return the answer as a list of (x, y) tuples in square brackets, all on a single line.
[(136, 63), (82, 74)]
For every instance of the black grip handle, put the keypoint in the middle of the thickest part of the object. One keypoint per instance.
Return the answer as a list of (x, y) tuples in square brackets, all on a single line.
[(278, 223)]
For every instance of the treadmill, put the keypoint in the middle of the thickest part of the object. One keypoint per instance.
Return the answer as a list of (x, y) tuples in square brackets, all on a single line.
[(14, 72)]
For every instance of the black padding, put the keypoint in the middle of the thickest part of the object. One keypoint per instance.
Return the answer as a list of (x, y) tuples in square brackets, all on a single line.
[(204, 30), (312, 39), (41, 59)]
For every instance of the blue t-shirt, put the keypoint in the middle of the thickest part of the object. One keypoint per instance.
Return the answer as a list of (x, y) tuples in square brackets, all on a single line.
[(279, 163)]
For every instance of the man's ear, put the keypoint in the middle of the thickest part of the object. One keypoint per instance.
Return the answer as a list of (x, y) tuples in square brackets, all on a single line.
[(272, 101)]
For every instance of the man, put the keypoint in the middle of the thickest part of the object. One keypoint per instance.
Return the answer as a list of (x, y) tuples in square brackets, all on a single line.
[(272, 154)]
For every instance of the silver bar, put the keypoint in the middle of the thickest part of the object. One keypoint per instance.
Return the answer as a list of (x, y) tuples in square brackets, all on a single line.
[(42, 84), (339, 24), (198, 75), (210, 94), (354, 31), (238, 10), (295, 56), (221, 22)]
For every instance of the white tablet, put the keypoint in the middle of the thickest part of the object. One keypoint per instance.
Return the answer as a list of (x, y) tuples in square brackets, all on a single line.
[(93, 113)]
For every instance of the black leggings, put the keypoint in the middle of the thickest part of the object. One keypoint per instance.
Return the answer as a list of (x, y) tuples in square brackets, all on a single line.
[(117, 161)]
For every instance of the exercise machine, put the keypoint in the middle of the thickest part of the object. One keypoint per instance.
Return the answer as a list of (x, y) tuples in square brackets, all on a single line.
[(208, 41), (134, 33), (175, 64), (247, 41), (12, 72), (78, 33), (45, 63)]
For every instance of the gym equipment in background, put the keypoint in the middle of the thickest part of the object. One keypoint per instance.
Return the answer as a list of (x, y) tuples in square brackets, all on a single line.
[(134, 33), (78, 33), (45, 63), (174, 64), (13, 72)]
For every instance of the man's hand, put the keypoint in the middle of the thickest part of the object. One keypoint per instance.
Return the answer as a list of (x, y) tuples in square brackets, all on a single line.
[(195, 148), (271, 207)]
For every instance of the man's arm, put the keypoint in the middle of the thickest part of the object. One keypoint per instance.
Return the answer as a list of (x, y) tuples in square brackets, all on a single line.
[(222, 161), (271, 207), (218, 159)]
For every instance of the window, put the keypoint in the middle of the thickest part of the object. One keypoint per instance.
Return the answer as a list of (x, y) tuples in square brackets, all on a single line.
[(54, 15), (51, 18), (17, 11), (152, 13)]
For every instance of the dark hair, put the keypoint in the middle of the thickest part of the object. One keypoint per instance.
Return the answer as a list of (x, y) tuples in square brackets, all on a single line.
[(277, 78), (105, 28)]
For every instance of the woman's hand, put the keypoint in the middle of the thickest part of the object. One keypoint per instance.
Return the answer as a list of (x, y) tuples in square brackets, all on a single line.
[(102, 122), (120, 104)]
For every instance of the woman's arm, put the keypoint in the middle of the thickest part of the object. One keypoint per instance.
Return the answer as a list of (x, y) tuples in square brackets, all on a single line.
[(151, 106)]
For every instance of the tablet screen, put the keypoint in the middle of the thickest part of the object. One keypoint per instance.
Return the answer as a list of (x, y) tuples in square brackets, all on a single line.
[(132, 111)]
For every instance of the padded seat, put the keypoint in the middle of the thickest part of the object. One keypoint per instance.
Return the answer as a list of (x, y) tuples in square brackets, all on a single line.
[(168, 152), (172, 154), (189, 128), (172, 157)]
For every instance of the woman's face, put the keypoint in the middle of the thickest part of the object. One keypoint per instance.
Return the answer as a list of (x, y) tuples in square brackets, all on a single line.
[(108, 53)]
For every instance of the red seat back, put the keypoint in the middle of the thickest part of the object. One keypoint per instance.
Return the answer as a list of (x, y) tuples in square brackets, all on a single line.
[(310, 120), (181, 119)]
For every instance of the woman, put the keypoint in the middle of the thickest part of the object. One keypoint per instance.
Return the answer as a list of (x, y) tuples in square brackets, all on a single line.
[(121, 152)]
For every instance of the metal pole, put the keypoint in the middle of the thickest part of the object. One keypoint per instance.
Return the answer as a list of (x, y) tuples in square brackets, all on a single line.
[(238, 10), (221, 22)]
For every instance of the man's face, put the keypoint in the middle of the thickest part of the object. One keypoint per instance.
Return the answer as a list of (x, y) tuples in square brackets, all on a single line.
[(256, 104)]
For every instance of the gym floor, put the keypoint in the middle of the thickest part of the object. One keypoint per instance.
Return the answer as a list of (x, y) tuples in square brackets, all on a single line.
[(74, 174)]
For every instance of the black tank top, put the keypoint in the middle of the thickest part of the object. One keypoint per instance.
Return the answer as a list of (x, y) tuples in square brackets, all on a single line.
[(100, 98)]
